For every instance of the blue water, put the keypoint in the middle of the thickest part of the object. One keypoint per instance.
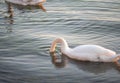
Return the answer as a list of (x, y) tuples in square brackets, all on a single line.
[(25, 40)]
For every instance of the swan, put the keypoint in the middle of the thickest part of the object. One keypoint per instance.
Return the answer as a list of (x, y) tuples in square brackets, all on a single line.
[(24, 3), (94, 53)]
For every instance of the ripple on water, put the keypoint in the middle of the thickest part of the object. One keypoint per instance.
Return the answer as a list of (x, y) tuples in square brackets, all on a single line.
[(25, 41)]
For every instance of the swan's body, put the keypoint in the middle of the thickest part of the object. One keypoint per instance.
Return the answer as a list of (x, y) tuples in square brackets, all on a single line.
[(37, 3), (93, 53), (26, 2)]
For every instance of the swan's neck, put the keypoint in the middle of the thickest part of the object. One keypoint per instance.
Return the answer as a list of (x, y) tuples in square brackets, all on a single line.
[(64, 45)]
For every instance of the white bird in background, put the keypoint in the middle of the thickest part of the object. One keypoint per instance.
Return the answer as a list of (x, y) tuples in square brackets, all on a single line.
[(94, 53), (38, 3)]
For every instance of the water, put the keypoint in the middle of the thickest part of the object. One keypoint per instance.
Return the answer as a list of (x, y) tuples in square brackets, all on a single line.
[(25, 41)]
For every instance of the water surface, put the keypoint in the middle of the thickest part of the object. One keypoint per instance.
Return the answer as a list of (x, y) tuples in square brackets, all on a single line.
[(26, 38)]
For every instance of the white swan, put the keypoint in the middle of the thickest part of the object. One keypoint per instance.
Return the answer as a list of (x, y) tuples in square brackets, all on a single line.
[(93, 53), (24, 3)]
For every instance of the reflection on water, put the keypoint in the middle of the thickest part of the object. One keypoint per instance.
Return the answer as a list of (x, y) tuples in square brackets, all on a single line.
[(58, 62), (90, 67), (96, 68), (9, 23), (26, 38)]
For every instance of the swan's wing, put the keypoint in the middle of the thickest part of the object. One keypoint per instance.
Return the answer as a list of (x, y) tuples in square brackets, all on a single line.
[(93, 53), (25, 2), (84, 56), (95, 50), (92, 57)]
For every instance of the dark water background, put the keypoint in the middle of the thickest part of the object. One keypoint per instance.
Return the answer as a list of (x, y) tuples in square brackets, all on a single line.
[(25, 41)]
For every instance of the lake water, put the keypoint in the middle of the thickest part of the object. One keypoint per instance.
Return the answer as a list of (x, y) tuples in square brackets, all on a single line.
[(26, 38)]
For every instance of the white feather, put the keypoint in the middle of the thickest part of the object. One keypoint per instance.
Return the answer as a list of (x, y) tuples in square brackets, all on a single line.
[(94, 53), (25, 2)]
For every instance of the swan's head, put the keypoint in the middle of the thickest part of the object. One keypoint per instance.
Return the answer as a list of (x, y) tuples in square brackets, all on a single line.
[(58, 40)]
